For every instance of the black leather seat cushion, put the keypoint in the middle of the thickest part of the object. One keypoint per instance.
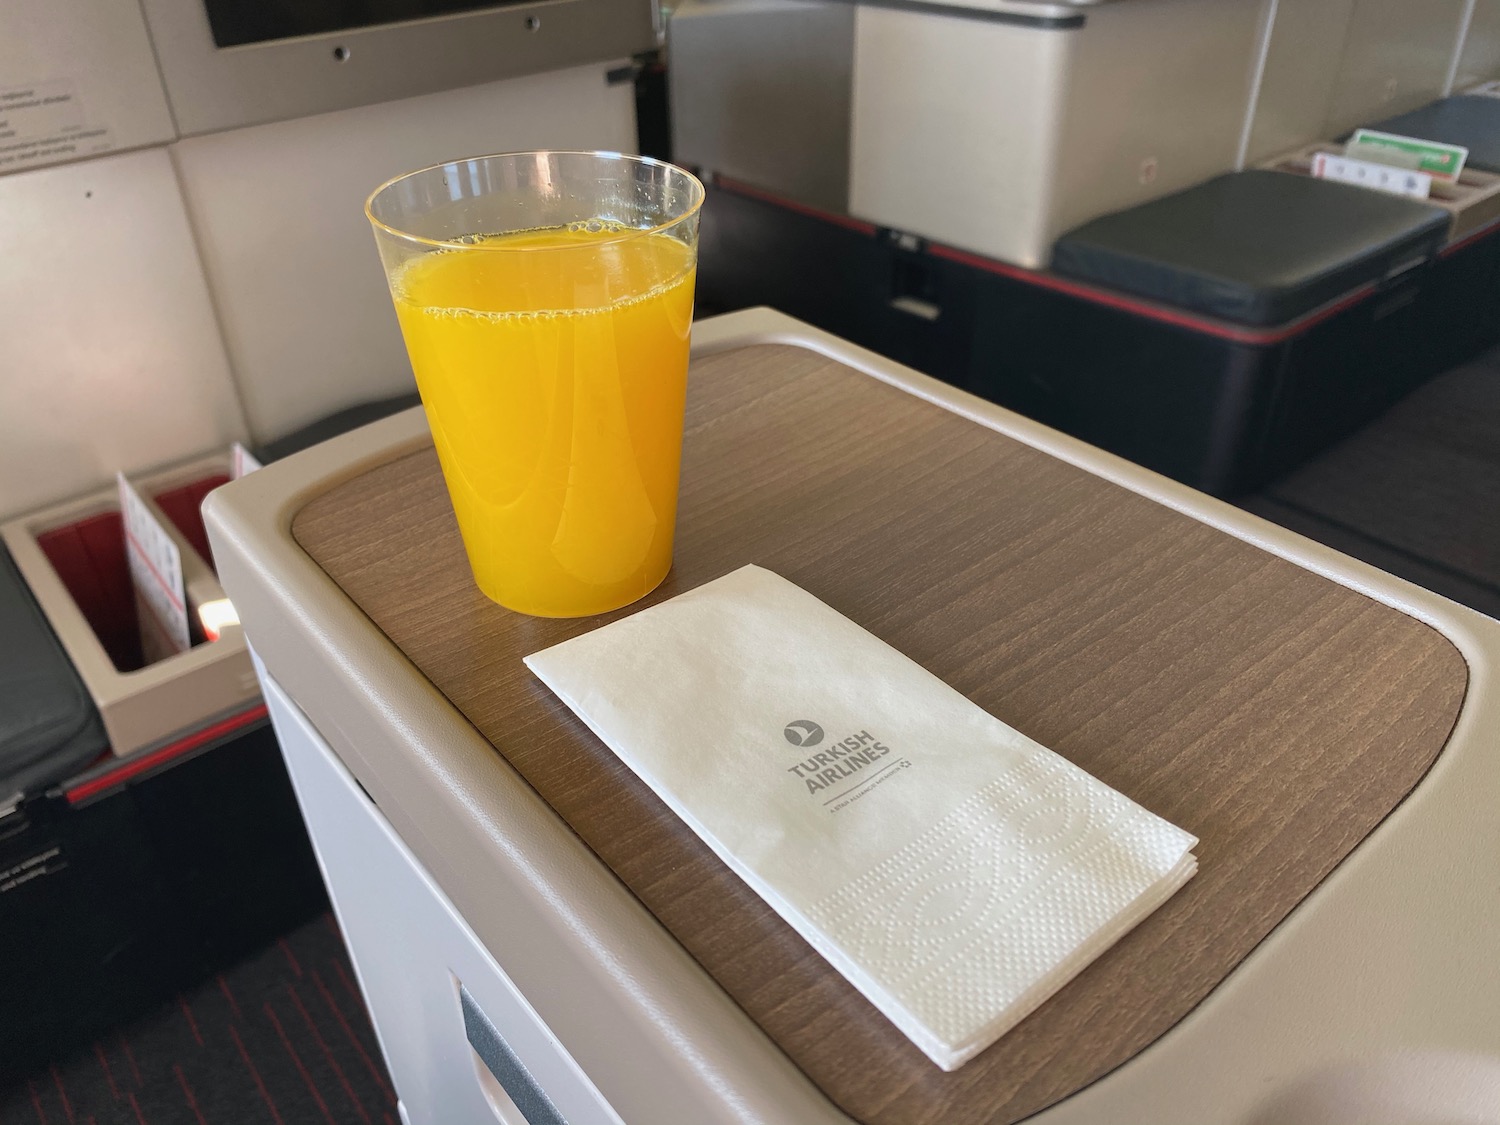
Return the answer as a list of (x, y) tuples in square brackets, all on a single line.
[(1257, 247), (1471, 120), (49, 727)]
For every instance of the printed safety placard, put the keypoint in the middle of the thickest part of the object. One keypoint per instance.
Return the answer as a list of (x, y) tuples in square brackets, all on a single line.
[(156, 571)]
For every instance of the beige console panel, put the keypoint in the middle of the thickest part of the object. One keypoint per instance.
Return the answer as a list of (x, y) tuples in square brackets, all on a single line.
[(1372, 1002)]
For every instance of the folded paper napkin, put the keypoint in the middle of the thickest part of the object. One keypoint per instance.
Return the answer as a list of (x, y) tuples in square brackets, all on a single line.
[(955, 871)]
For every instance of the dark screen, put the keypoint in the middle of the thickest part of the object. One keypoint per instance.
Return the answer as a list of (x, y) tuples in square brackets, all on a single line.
[(236, 22)]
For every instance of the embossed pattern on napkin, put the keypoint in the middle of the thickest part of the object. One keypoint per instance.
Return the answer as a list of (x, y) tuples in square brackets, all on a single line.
[(953, 870), (1032, 856)]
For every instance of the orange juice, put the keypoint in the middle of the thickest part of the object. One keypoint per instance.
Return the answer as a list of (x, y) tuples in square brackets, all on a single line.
[(553, 367)]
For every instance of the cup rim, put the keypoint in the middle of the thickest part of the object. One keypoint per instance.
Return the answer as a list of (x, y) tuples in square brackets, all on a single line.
[(625, 235)]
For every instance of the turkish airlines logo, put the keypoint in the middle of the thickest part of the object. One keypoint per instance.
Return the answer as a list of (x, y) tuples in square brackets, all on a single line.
[(803, 732)]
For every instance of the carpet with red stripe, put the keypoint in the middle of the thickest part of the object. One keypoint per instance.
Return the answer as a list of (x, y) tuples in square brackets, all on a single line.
[(280, 1039)]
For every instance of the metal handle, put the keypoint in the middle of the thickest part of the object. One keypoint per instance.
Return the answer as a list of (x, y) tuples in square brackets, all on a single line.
[(918, 307), (507, 1068)]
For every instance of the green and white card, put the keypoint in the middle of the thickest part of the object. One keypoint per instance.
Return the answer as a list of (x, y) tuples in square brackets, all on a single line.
[(1440, 161)]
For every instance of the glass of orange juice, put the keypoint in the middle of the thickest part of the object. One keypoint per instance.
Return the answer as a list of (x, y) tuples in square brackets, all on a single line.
[(546, 300)]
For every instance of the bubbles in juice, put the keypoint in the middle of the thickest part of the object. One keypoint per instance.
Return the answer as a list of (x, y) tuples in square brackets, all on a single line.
[(553, 367)]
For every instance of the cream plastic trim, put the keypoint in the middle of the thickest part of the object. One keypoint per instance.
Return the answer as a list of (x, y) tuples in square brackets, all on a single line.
[(160, 701), (1386, 969), (652, 1030)]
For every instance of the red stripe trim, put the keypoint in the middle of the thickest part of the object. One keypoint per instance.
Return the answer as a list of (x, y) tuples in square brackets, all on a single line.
[(192, 1023), (1240, 334), (290, 956), (328, 1054), (62, 1092), (1473, 236), (233, 1003), (307, 1081), (135, 1070), (187, 1094), (134, 767), (847, 221), (1110, 299), (108, 1074), (359, 1002), (260, 1085), (359, 1048), (156, 574)]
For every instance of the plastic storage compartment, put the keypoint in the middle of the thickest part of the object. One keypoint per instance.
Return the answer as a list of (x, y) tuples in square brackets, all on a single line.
[(1462, 314), (124, 880), (1472, 203), (1223, 334), (1466, 317), (73, 557)]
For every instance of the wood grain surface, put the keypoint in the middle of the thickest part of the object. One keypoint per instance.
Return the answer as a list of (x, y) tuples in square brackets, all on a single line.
[(1275, 714)]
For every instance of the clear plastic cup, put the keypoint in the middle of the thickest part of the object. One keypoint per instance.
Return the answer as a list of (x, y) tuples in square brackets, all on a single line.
[(546, 300)]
